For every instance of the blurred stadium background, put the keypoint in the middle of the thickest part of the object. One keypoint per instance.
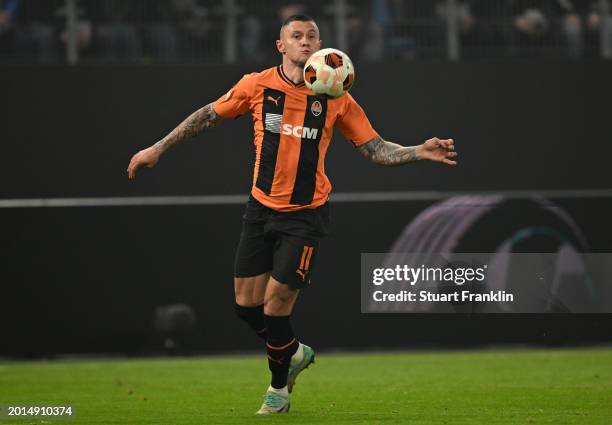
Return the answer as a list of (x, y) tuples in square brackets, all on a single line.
[(93, 263), (240, 31)]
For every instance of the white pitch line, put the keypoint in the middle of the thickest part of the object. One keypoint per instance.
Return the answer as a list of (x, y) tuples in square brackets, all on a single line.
[(135, 201), (138, 201), (440, 195)]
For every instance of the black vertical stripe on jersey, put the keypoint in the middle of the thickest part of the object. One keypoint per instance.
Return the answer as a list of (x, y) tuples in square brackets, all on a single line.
[(269, 145), (306, 178)]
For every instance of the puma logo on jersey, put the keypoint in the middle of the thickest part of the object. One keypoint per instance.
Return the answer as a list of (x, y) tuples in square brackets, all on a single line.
[(299, 131), (271, 99)]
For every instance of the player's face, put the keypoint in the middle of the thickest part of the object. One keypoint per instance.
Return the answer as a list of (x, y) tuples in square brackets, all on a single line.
[(299, 40)]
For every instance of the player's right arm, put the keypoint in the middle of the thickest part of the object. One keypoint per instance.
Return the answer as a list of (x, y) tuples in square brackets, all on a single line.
[(194, 124), (234, 103)]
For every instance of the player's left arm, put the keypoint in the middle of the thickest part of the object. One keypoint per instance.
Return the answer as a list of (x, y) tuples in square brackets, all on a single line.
[(355, 127), (383, 152)]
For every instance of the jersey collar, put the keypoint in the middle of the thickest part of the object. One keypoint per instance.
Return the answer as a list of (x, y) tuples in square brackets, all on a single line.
[(286, 79)]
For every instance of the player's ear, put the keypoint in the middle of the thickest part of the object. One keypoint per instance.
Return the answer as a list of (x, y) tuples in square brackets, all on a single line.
[(280, 46)]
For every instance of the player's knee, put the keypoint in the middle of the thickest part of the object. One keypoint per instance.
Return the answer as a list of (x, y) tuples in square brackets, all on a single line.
[(245, 300), (243, 293), (268, 304), (249, 292), (277, 305), (279, 298), (248, 298)]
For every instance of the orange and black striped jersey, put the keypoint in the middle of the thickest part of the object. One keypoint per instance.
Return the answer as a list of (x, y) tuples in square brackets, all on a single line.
[(292, 128)]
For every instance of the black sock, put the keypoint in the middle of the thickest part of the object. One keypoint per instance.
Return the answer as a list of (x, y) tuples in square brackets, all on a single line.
[(254, 317), (281, 345)]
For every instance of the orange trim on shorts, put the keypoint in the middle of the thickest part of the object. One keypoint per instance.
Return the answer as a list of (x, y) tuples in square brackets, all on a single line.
[(310, 250), (303, 257)]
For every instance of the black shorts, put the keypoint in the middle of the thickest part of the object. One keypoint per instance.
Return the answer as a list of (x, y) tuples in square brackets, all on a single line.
[(285, 244)]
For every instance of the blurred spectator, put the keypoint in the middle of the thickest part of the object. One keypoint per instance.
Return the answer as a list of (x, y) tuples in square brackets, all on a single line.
[(177, 28), (194, 29), (116, 37), (571, 27), (159, 27), (372, 45), (84, 32), (360, 37), (532, 21), (492, 31), (36, 30), (288, 10), (537, 28), (173, 31), (257, 31), (8, 11), (250, 40), (404, 30), (598, 34), (462, 14)]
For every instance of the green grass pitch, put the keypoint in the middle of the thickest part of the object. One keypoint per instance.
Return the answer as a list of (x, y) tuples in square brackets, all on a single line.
[(491, 387)]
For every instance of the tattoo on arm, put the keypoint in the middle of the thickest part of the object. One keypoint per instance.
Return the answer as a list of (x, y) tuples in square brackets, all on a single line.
[(193, 125), (383, 152)]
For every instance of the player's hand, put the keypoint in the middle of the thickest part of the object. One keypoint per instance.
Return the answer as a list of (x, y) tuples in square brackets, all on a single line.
[(439, 150), (145, 158)]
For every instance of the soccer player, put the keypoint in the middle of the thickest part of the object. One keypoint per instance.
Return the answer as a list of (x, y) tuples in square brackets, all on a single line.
[(287, 212)]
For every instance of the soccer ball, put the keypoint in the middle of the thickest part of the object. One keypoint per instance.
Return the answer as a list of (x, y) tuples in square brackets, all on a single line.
[(329, 72)]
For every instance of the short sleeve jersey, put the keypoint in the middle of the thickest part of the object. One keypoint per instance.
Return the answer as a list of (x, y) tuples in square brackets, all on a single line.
[(292, 131)]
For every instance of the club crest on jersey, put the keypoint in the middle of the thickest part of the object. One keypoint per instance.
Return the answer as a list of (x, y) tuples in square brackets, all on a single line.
[(316, 108)]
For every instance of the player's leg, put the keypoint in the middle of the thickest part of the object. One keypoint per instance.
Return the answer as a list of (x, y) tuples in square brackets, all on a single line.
[(252, 267), (287, 357), (281, 344), (249, 293), (279, 298)]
